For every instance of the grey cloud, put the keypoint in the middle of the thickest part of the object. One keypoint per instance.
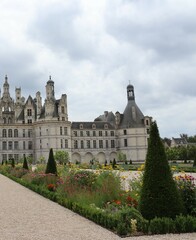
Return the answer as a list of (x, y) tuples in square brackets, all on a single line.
[(58, 27), (171, 34)]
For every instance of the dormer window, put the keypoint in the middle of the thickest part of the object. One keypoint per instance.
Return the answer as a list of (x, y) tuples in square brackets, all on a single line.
[(105, 126), (93, 126), (29, 112), (81, 126)]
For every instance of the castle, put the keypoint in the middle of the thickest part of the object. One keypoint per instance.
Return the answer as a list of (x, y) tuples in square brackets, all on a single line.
[(30, 128)]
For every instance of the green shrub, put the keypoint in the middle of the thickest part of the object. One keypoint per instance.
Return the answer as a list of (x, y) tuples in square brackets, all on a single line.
[(159, 195), (25, 164), (162, 226), (51, 164), (122, 229)]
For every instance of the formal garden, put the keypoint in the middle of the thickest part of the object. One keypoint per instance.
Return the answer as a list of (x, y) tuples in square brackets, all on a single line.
[(153, 201)]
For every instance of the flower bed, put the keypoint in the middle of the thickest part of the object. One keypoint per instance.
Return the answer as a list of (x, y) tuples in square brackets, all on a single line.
[(99, 196)]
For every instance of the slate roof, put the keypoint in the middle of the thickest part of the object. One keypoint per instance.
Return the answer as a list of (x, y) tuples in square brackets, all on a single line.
[(127, 118), (89, 125)]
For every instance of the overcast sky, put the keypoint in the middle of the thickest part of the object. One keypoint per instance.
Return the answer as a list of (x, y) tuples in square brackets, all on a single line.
[(92, 49)]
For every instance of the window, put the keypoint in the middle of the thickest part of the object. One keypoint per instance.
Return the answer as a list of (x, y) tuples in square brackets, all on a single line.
[(75, 144), (30, 145), (16, 157), (93, 126), (106, 133), (16, 145), (75, 133), (29, 112), (63, 118), (4, 157), (61, 131), (147, 122), (9, 145), (30, 133), (63, 109), (82, 144), (10, 156), (9, 132), (4, 133), (24, 145), (65, 131), (81, 133), (112, 133), (4, 120), (4, 145), (15, 132), (100, 133), (94, 133), (81, 126), (125, 132), (87, 133), (94, 144), (61, 143), (112, 144), (66, 143), (88, 144), (106, 143), (100, 143), (105, 126), (125, 142), (29, 121), (23, 133)]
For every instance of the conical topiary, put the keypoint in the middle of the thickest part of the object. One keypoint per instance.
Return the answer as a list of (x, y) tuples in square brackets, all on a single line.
[(25, 164), (159, 194), (51, 164)]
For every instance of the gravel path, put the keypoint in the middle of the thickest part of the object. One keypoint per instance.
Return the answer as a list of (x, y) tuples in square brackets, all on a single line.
[(25, 215)]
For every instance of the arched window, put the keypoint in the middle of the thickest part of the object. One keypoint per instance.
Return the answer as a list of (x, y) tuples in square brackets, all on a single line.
[(4, 133), (15, 132), (10, 133)]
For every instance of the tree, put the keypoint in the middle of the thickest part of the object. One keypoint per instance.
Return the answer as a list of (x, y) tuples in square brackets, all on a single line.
[(62, 157), (25, 164), (51, 164), (159, 194)]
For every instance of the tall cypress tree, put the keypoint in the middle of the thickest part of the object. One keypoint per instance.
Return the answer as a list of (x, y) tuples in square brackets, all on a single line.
[(51, 164), (25, 164), (159, 195)]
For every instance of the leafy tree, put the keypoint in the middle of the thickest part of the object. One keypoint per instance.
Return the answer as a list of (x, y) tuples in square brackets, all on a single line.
[(51, 164), (25, 164), (121, 157), (62, 157), (159, 193)]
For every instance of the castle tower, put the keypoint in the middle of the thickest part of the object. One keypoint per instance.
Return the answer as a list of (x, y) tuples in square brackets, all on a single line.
[(6, 94), (39, 103), (50, 99), (18, 95), (50, 89)]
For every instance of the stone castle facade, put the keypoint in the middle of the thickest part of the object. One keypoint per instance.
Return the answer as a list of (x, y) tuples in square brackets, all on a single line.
[(30, 128)]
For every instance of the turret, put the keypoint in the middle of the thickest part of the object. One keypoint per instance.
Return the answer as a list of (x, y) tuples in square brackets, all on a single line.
[(130, 92), (50, 89)]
